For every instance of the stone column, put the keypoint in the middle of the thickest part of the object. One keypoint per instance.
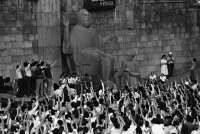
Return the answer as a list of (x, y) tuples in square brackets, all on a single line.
[(49, 35)]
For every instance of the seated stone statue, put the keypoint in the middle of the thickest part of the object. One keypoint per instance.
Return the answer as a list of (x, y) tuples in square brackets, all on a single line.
[(82, 46), (131, 72)]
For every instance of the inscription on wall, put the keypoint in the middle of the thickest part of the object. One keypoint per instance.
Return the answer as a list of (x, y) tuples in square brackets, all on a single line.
[(99, 4)]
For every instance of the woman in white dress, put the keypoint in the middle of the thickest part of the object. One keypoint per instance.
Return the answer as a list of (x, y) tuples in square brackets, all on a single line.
[(164, 69)]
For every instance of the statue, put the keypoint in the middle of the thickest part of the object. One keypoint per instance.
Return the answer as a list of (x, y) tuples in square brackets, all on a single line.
[(131, 72), (118, 75), (82, 46)]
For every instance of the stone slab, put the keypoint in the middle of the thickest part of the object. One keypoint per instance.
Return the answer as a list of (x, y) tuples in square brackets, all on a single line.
[(49, 36), (51, 54), (48, 6), (57, 71), (48, 19)]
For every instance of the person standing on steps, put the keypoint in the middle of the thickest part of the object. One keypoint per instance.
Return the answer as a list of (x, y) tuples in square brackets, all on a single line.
[(28, 77), (20, 80), (170, 64), (48, 75), (192, 68), (163, 63), (39, 75)]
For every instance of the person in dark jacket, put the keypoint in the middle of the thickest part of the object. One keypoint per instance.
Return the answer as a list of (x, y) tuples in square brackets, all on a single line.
[(187, 127), (48, 76), (2, 88), (39, 75)]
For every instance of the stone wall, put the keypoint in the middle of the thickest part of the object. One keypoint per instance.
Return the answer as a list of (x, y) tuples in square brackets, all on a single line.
[(49, 34), (159, 27), (18, 34), (29, 28)]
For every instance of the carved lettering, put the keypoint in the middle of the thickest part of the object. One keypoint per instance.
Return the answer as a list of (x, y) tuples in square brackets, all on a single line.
[(99, 4)]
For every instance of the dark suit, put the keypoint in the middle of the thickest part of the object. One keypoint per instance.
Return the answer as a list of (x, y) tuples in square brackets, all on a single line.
[(187, 128)]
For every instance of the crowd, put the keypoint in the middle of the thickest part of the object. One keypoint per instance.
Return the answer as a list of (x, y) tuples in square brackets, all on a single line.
[(29, 80), (77, 106), (80, 105)]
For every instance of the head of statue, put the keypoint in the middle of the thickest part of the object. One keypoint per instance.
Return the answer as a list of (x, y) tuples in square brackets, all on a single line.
[(130, 54), (84, 18)]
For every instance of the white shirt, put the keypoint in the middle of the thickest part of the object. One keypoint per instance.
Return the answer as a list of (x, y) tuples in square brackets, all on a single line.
[(71, 91), (168, 129), (63, 81), (163, 78), (146, 130), (116, 131), (157, 129), (195, 132), (58, 92), (28, 71), (173, 130), (136, 95), (72, 80), (36, 122), (194, 87), (31, 112), (152, 77), (19, 73)]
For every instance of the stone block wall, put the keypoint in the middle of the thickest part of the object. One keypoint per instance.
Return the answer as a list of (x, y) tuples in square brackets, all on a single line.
[(29, 28), (49, 34), (18, 34), (159, 27)]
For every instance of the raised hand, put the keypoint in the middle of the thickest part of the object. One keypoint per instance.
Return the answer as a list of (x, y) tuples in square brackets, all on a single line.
[(66, 21), (109, 35)]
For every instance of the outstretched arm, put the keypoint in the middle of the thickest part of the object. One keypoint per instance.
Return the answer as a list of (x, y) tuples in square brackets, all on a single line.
[(191, 58), (41, 59), (107, 38), (29, 59), (21, 63), (53, 63)]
